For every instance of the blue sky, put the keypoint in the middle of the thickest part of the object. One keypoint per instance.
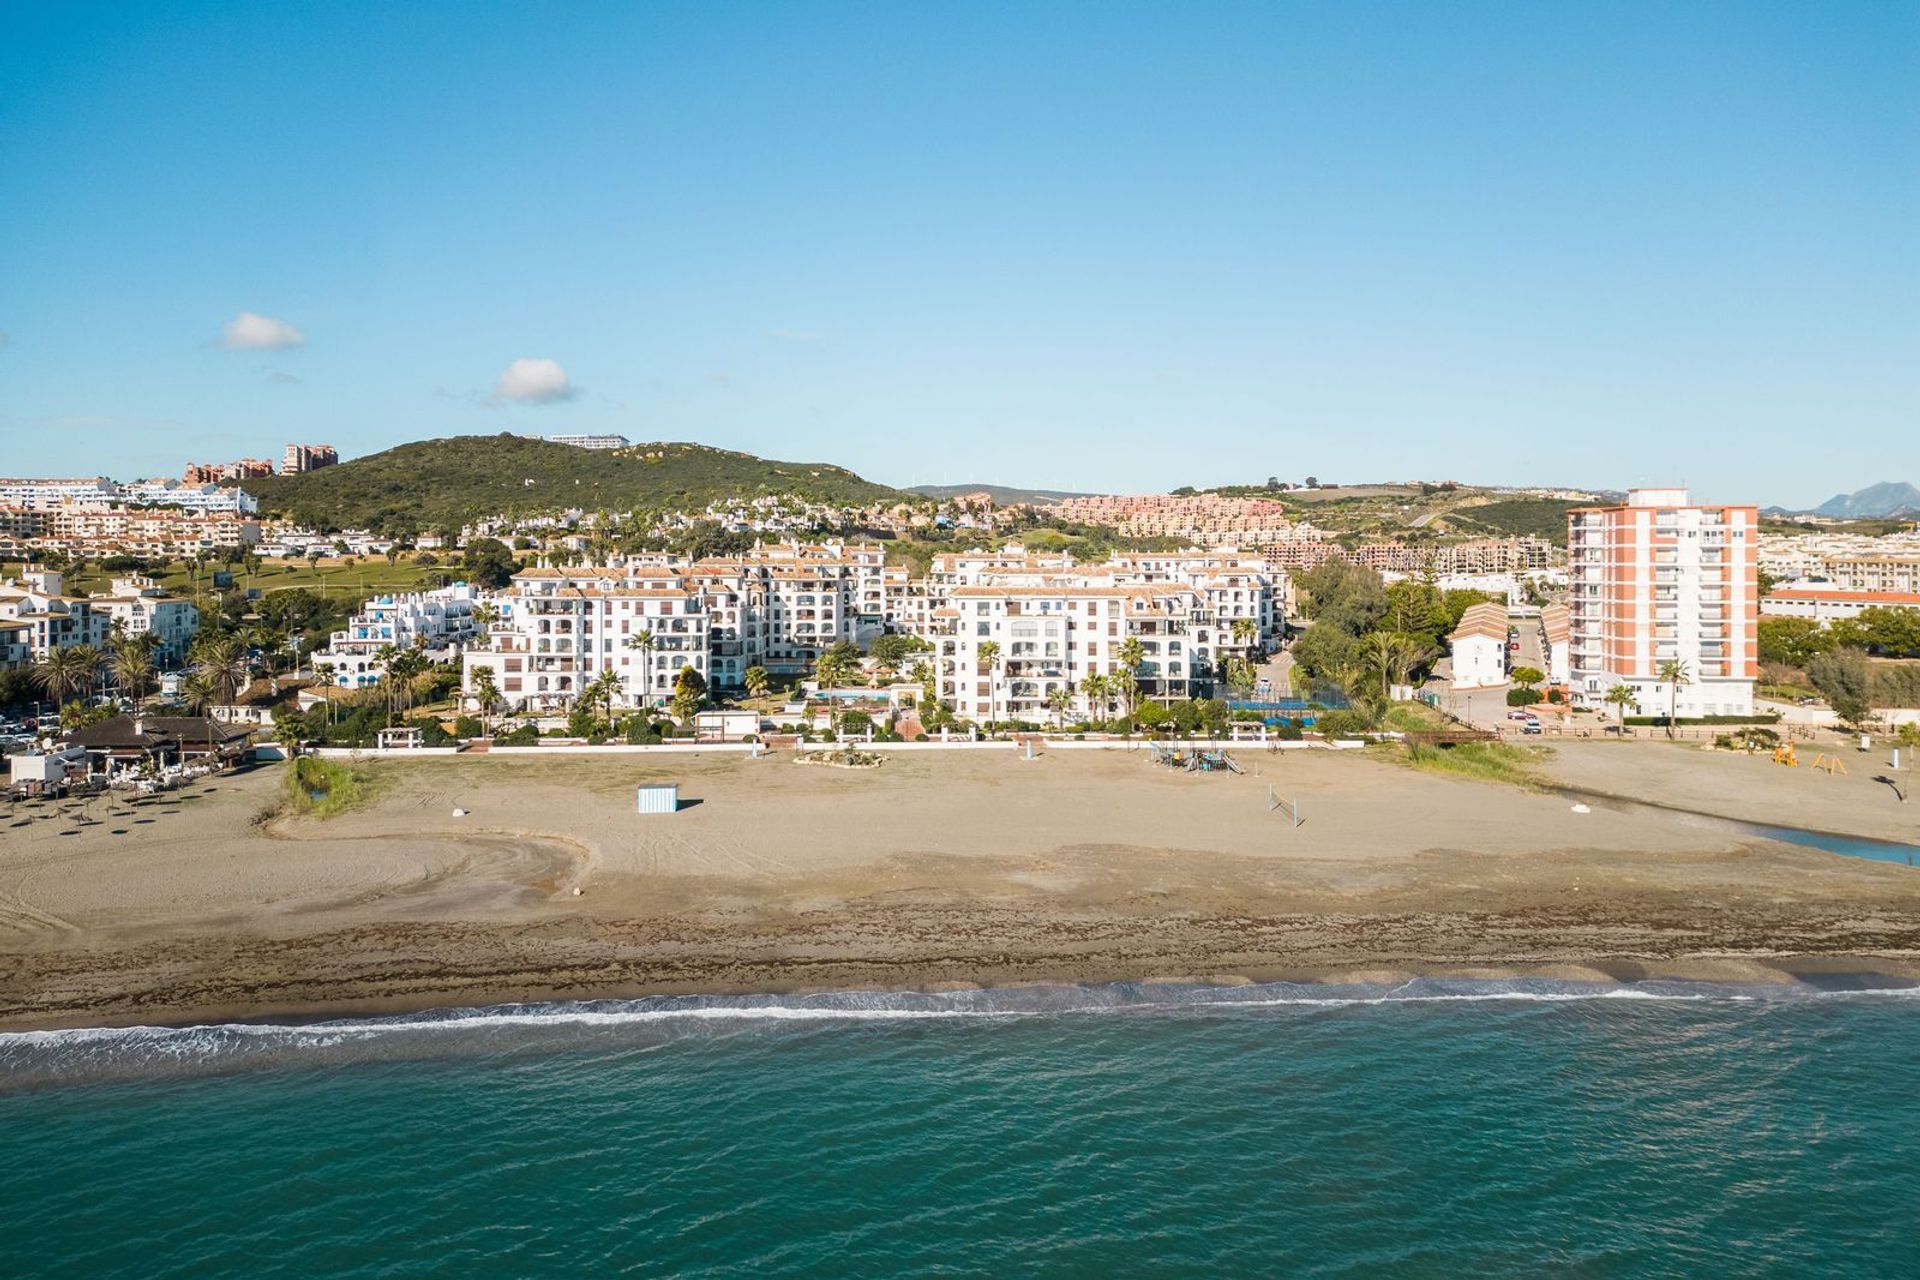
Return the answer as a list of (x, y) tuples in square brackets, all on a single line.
[(1088, 246)]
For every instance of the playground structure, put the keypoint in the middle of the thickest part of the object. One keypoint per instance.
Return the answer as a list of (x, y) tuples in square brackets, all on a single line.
[(1825, 762), (1194, 760)]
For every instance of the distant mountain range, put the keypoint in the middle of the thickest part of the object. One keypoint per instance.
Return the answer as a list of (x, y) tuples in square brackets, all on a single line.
[(1875, 502), (1002, 493)]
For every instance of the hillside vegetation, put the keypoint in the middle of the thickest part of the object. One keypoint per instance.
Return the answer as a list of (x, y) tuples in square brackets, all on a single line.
[(1544, 518), (436, 483)]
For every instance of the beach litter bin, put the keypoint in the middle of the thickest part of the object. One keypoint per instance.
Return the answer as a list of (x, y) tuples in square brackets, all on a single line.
[(658, 797)]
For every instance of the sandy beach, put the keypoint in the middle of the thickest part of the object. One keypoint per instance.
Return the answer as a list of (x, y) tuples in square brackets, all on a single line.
[(938, 869)]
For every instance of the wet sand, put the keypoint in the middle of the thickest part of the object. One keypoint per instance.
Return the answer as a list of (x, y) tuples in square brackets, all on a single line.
[(937, 869)]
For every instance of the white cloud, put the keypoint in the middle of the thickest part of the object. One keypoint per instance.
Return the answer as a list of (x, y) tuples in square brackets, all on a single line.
[(249, 331), (281, 376), (533, 380)]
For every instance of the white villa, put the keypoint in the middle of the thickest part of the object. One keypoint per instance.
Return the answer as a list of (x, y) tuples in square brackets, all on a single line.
[(440, 622)]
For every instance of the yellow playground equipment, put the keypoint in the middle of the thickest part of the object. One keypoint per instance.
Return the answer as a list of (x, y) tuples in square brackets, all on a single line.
[(1832, 764), (1783, 754)]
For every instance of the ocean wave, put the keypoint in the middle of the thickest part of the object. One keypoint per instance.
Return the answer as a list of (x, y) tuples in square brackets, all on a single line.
[(74, 1055)]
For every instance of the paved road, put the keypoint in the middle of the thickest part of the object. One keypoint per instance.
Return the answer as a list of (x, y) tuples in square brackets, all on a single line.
[(1530, 654)]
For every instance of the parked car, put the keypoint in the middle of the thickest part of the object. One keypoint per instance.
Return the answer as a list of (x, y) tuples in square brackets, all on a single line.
[(1519, 715), (1532, 726)]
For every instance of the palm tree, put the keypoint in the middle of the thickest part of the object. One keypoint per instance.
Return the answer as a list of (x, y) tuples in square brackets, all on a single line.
[(1620, 697), (265, 640), (486, 692), (1096, 689), (644, 642), (323, 672), (989, 657), (1243, 632), (484, 616), (1673, 673), (1393, 654), (1239, 676), (756, 681), (605, 689), (225, 663), (386, 655), (130, 659), (197, 690), (65, 670), (403, 671), (1059, 700), (1132, 654)]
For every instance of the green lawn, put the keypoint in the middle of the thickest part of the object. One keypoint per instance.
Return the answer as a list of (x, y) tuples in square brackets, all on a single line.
[(339, 580), (1485, 761)]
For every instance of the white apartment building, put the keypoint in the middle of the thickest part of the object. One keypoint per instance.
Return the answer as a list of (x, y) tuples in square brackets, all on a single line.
[(560, 630), (590, 441), (1850, 561), (781, 606), (1052, 637), (99, 492), (137, 606), (39, 494), (439, 621), (16, 644), (1825, 604), (1660, 579), (189, 497), (1479, 647), (1231, 585), (50, 619)]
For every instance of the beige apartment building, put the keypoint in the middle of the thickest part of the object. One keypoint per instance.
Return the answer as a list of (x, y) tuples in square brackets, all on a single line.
[(1204, 518), (1884, 572), (1476, 555), (134, 531)]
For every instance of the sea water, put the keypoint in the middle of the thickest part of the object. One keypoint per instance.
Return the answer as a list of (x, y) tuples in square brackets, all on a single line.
[(1435, 1129)]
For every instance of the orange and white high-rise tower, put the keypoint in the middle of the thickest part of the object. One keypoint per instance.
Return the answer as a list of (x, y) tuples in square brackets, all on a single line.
[(1660, 580)]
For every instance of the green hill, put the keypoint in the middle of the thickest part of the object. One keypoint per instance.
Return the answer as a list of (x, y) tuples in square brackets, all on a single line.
[(433, 483)]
